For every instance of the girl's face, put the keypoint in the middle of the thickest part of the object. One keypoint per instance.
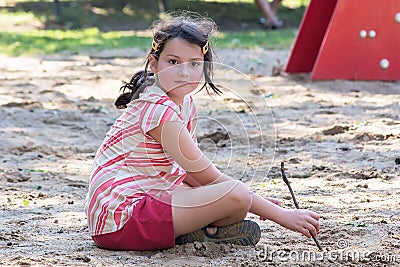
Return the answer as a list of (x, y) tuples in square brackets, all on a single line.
[(179, 68)]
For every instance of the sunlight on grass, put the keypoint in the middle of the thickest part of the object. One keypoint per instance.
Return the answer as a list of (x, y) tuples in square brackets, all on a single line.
[(282, 39), (54, 41), (19, 37), (295, 3), (17, 18)]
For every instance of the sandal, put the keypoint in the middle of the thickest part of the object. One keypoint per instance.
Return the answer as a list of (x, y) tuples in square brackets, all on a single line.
[(270, 24), (244, 233)]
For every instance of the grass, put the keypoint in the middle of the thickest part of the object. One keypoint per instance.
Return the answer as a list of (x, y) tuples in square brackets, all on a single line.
[(100, 24), (75, 41), (18, 18), (272, 40), (55, 41)]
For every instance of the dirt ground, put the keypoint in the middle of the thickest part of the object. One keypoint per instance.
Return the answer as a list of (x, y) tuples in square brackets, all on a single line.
[(340, 141)]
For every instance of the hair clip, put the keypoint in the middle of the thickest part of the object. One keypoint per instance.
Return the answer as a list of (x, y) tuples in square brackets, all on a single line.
[(205, 48), (154, 45)]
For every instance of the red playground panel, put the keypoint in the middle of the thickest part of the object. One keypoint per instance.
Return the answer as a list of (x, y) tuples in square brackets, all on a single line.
[(348, 39)]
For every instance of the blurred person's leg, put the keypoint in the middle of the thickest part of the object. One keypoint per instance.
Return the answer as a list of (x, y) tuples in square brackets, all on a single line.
[(270, 19)]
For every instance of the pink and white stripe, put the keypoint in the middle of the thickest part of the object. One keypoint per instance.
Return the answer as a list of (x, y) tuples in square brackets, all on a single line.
[(131, 164)]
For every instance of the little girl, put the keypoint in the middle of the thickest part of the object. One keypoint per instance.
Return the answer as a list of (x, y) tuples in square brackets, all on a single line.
[(151, 187)]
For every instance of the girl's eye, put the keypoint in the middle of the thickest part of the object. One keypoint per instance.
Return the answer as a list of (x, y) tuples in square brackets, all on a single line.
[(173, 62), (195, 64)]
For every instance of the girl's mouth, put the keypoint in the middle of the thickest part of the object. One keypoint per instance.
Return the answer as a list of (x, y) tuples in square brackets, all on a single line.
[(182, 82)]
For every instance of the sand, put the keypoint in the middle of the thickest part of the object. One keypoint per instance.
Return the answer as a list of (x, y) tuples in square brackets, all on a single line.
[(340, 141)]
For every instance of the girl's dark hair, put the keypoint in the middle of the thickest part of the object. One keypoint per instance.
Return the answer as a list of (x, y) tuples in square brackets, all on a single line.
[(195, 30)]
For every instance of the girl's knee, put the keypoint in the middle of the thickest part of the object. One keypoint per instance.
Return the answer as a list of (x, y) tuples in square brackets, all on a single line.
[(240, 194)]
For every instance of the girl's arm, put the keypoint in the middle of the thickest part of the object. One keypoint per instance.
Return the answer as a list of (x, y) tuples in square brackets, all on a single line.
[(297, 220), (177, 142), (191, 181)]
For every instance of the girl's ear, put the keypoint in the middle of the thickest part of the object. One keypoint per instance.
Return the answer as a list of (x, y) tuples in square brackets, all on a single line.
[(153, 63)]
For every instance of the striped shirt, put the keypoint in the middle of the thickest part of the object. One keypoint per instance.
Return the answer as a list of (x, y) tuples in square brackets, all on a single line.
[(130, 164)]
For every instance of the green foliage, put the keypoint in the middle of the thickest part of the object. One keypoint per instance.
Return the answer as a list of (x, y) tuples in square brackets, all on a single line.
[(105, 15), (139, 15), (100, 24)]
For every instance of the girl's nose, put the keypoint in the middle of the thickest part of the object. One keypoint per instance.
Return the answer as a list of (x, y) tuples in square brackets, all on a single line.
[(184, 69)]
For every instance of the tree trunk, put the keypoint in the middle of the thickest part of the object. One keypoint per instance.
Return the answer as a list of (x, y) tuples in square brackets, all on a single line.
[(57, 9)]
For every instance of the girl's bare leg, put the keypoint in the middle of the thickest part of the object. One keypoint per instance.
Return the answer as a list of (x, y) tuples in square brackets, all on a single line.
[(218, 204)]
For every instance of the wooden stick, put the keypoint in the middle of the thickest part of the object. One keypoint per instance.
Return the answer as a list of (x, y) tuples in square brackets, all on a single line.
[(285, 179)]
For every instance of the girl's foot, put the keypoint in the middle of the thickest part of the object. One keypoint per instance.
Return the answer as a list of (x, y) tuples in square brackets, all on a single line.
[(245, 233)]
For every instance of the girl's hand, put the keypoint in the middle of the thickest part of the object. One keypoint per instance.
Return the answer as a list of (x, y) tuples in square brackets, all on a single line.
[(301, 221), (273, 200)]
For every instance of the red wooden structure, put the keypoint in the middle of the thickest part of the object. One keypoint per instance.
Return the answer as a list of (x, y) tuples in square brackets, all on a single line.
[(348, 39)]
